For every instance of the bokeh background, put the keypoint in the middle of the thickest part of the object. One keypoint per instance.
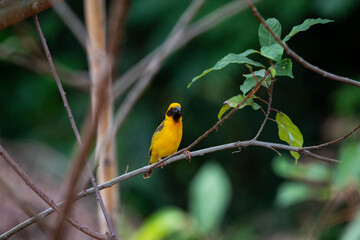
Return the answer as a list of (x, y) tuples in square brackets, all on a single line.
[(248, 194)]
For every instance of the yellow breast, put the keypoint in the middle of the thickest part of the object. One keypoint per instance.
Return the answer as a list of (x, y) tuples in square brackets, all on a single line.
[(166, 141)]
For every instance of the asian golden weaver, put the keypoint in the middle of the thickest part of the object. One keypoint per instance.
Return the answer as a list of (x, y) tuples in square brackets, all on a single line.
[(167, 137)]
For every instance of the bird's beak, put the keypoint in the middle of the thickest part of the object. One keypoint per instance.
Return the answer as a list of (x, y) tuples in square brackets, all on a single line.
[(177, 110)]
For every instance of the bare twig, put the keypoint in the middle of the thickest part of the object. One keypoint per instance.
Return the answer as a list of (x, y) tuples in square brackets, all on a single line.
[(334, 141), (35, 64), (191, 32), (154, 65), (57, 80), (212, 19), (297, 57), (142, 170), (82, 159), (27, 207), (187, 16), (119, 10), (43, 196), (315, 156), (270, 92), (72, 22)]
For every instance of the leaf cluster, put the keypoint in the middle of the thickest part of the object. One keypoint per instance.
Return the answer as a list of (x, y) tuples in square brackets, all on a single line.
[(278, 66)]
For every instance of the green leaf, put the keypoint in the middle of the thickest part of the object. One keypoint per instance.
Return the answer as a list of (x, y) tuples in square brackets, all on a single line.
[(210, 194), (305, 26), (234, 101), (248, 84), (348, 172), (274, 52), (273, 72), (162, 224), (230, 58), (265, 37), (250, 81), (289, 133), (223, 110), (260, 73), (284, 68), (291, 193)]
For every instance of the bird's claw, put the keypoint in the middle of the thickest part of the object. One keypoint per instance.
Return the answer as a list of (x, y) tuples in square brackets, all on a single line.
[(187, 155), (162, 164)]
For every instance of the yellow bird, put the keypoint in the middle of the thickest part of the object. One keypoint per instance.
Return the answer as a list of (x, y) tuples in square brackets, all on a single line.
[(167, 137)]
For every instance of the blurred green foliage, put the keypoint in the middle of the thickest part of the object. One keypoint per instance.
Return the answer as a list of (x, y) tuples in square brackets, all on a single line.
[(258, 201)]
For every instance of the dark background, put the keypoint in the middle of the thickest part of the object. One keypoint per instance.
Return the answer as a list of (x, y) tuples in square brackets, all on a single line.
[(32, 110)]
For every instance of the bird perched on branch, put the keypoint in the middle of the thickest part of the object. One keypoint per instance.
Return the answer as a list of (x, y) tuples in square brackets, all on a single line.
[(167, 137)]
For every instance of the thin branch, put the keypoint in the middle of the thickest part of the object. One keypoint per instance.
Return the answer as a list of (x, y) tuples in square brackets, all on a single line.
[(119, 10), (79, 79), (220, 122), (297, 57), (334, 141), (315, 156), (82, 159), (155, 64), (57, 80), (159, 54), (75, 25), (270, 92), (27, 207), (43, 196), (192, 31), (144, 169), (211, 20), (187, 16)]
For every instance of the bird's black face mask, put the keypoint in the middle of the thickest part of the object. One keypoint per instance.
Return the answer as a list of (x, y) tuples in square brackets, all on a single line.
[(175, 113)]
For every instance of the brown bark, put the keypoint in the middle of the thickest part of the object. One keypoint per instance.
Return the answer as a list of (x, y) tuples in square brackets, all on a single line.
[(13, 11)]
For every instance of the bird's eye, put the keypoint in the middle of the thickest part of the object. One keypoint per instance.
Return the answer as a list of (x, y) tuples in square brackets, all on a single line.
[(170, 112)]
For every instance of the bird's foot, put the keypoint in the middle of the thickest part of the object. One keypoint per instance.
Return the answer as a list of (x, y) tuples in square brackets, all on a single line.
[(162, 164), (187, 155)]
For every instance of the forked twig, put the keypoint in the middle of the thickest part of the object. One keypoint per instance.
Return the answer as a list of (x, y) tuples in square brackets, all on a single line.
[(144, 169), (297, 57)]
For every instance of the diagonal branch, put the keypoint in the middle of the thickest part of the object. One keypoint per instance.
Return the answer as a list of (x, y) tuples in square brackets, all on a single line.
[(297, 57), (218, 123), (334, 141), (82, 156), (72, 22), (154, 65), (191, 32), (119, 10), (43, 196), (142, 170), (26, 206)]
